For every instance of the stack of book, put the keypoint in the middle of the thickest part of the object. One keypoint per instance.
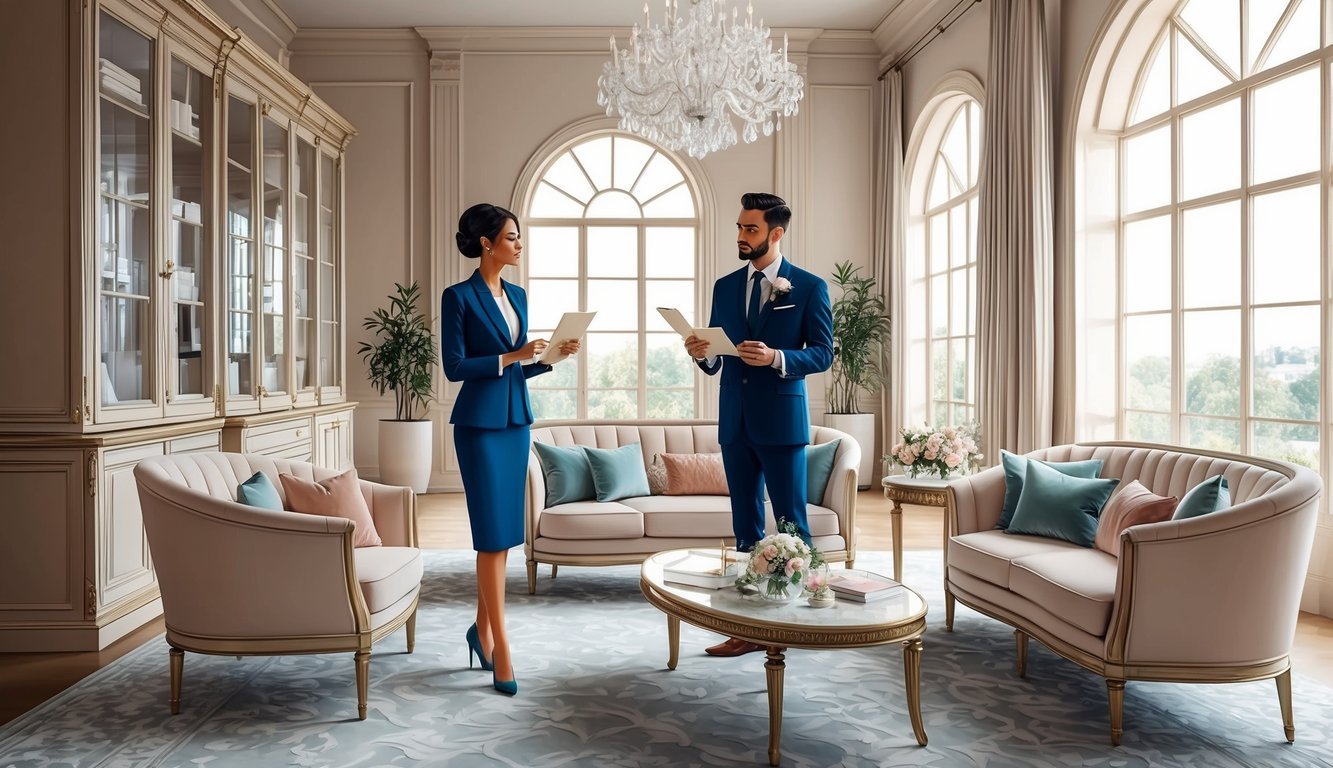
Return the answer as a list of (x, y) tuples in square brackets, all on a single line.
[(863, 590), (708, 569), (118, 82)]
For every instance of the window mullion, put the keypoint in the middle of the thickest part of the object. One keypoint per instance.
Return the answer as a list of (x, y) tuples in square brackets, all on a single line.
[(1246, 276)]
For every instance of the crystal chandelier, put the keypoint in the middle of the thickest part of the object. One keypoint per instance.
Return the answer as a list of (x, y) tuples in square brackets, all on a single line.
[(676, 83)]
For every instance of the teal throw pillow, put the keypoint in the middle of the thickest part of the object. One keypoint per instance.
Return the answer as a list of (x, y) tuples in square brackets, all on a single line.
[(1015, 468), (259, 491), (1209, 496), (818, 466), (567, 473), (618, 473), (1058, 506)]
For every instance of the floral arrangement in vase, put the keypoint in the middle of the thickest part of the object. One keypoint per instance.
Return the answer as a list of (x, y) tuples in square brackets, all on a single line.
[(778, 564), (928, 450)]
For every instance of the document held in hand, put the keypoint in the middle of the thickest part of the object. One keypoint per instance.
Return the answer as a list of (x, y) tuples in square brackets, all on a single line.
[(718, 343), (572, 326)]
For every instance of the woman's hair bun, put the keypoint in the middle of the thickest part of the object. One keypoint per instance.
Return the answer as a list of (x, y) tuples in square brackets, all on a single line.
[(469, 247), (481, 220)]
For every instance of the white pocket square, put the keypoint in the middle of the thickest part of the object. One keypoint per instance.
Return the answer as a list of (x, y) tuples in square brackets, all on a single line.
[(786, 306)]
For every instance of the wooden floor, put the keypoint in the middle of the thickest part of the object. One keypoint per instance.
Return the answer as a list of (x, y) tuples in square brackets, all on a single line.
[(27, 679)]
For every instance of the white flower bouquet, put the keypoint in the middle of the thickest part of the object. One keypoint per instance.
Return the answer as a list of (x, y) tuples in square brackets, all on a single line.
[(938, 451), (778, 564)]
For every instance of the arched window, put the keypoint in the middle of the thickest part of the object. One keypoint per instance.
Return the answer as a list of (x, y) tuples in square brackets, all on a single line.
[(942, 263), (1219, 241), (612, 226)]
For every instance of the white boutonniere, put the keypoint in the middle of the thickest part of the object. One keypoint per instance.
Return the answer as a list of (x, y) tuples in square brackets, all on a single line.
[(781, 288)]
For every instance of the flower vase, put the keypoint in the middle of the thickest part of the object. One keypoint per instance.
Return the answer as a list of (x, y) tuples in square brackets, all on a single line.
[(778, 589)]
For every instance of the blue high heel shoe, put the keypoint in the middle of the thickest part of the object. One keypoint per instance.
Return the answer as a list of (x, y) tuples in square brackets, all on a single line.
[(507, 687), (474, 646)]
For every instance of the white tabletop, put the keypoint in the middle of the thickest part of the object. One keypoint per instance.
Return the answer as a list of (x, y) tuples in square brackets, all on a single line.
[(930, 482)]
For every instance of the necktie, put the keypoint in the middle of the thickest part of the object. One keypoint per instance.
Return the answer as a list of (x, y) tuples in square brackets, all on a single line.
[(752, 314)]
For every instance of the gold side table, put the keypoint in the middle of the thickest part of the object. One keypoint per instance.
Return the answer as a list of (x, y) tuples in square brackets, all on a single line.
[(925, 491)]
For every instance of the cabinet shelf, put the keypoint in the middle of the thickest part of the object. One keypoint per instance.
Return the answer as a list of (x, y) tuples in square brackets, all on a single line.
[(116, 100)]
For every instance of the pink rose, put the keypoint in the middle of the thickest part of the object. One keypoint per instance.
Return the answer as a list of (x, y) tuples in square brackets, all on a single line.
[(770, 552), (929, 455), (906, 456), (793, 565), (952, 460), (759, 564)]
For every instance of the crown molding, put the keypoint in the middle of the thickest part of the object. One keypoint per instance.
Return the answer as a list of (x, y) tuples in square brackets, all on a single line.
[(845, 43), (562, 39), (905, 23), (357, 42)]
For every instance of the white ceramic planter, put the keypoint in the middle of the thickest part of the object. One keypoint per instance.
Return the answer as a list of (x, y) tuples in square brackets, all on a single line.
[(861, 426), (405, 453)]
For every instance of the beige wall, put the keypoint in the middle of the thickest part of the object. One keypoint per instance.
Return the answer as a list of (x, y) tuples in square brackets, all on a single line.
[(516, 90)]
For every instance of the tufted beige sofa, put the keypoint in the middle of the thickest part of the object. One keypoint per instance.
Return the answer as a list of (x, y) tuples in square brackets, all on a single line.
[(627, 531), (240, 580), (1210, 599)]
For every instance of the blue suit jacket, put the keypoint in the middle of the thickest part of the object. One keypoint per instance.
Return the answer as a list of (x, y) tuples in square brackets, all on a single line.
[(473, 335), (757, 403)]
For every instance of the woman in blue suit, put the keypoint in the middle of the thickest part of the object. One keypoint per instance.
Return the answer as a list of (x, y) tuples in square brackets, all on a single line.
[(484, 345)]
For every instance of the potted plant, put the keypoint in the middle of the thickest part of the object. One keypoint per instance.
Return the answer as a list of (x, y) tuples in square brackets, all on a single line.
[(402, 357), (860, 330)]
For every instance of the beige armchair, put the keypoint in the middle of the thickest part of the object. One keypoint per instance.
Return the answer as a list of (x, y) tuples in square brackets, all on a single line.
[(239, 580), (1210, 599)]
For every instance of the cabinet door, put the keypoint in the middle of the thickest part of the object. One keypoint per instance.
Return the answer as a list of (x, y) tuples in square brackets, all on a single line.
[(305, 222), (122, 563), (126, 384), (275, 264), (189, 132), (240, 252), (329, 302)]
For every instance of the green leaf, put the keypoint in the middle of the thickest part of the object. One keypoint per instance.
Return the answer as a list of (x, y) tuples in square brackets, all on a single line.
[(401, 355)]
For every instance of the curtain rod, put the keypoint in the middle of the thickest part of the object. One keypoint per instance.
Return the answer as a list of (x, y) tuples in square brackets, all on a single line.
[(929, 37)]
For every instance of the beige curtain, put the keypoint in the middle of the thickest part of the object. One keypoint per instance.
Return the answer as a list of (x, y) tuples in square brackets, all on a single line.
[(891, 251), (1015, 328)]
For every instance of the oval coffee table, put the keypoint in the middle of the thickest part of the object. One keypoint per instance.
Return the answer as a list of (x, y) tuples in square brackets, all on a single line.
[(779, 626)]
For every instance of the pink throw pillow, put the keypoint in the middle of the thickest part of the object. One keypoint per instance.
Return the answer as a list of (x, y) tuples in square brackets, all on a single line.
[(338, 496), (1133, 505), (695, 474)]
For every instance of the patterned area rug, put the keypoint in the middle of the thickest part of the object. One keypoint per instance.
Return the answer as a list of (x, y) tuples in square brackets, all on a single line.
[(594, 691)]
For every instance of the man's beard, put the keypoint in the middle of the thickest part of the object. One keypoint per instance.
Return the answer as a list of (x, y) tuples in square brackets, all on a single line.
[(754, 254)]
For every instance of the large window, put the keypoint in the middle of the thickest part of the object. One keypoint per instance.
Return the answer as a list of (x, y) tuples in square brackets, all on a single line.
[(1221, 239), (612, 227), (942, 266)]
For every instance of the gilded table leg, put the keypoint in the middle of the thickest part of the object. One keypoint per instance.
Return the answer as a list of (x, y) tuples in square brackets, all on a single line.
[(1284, 698), (178, 667), (673, 641), (774, 669), (912, 681), (896, 518)]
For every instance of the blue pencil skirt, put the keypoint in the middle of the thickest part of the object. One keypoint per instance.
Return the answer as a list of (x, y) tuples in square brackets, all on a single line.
[(494, 465)]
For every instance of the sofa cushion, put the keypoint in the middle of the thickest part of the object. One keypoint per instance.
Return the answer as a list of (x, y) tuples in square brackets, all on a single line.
[(695, 474), (818, 466), (1209, 496), (1133, 505), (988, 554), (1078, 585), (337, 496), (618, 473), (1015, 471), (591, 520), (259, 491), (1059, 506), (386, 574), (567, 473), (694, 517)]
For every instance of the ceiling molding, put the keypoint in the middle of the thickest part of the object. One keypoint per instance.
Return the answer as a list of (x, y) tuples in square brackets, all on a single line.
[(352, 42), (905, 24), (848, 43), (565, 39)]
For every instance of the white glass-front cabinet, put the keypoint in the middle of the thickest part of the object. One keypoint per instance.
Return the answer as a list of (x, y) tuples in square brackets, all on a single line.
[(178, 288)]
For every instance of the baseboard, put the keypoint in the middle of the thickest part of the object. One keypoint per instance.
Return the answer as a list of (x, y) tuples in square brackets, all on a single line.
[(75, 636)]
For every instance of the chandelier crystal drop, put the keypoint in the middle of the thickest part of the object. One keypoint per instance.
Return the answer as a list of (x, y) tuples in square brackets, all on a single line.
[(676, 83)]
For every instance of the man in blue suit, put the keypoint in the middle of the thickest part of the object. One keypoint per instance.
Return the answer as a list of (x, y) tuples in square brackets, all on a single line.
[(778, 316)]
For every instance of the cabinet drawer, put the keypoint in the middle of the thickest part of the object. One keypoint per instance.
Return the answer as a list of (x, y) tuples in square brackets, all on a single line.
[(269, 438), (297, 452)]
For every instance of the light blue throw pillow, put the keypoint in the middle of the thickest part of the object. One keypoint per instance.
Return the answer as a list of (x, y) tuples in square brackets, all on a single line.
[(259, 491), (1015, 469), (1058, 506), (567, 473), (818, 466), (1211, 495), (618, 473)]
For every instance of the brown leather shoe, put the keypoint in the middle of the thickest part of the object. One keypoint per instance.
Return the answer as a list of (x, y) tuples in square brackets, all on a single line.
[(733, 647)]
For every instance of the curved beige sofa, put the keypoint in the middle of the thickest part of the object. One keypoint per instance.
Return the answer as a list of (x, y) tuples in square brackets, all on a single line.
[(239, 580), (1211, 599), (629, 530)]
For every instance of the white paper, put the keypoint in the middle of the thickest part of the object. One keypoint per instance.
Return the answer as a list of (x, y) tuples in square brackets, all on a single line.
[(718, 343), (572, 326)]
